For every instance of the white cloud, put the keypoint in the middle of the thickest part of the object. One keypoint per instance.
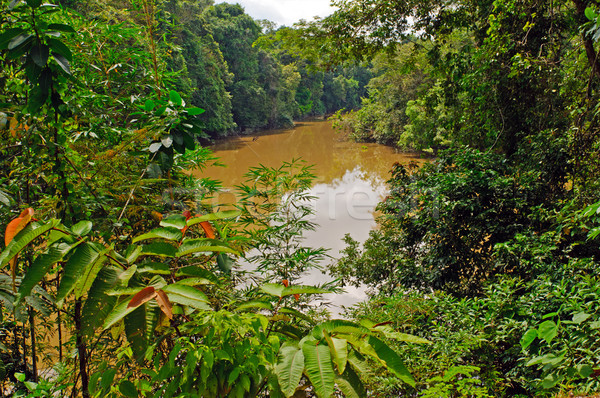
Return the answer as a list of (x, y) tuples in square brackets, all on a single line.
[(284, 12)]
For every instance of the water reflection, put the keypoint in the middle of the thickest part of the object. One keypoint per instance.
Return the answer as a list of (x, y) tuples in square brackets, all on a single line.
[(350, 182)]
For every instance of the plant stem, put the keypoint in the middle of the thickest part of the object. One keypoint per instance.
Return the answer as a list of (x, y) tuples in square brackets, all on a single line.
[(81, 351), (33, 351)]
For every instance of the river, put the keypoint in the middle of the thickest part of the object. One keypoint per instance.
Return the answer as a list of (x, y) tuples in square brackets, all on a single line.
[(351, 180)]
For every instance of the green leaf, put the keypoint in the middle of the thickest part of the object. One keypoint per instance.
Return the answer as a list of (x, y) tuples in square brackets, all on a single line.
[(161, 249), (98, 303), (350, 384), (204, 245), (23, 238), (225, 263), (255, 304), (547, 331), (391, 360), (528, 338), (319, 369), (34, 3), (273, 289), (187, 295), (61, 28), (221, 215), (62, 62), (8, 35), (149, 105), (194, 111), (340, 326), (89, 275), (301, 289), (590, 14), (289, 368), (580, 317), (127, 388), (78, 263), (194, 281), (154, 268), (175, 98), (40, 266), (169, 233), (339, 351), (58, 47), (118, 313), (175, 220), (39, 53), (193, 270), (82, 228), (585, 370), (551, 380), (19, 40)]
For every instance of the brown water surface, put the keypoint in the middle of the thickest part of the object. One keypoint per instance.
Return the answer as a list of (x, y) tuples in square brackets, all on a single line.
[(350, 180)]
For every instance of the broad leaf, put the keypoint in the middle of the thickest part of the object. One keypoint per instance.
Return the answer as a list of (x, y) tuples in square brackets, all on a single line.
[(221, 215), (339, 351), (300, 289), (194, 111), (89, 275), (191, 246), (98, 303), (84, 256), (274, 289), (165, 305), (154, 268), (528, 338), (118, 313), (40, 266), (62, 62), (168, 233), (175, 98), (143, 296), (61, 27), (195, 271), (82, 228), (187, 295), (58, 47), (391, 360), (350, 385), (225, 263), (161, 249), (17, 225), (319, 369), (547, 331), (289, 368), (255, 304)]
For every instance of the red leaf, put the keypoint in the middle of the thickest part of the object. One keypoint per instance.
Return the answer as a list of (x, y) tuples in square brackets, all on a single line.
[(12, 229), (143, 296), (164, 303), (208, 229), (285, 282), (16, 225), (297, 297)]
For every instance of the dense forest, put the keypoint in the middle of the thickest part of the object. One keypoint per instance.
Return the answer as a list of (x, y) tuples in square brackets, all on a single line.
[(120, 274)]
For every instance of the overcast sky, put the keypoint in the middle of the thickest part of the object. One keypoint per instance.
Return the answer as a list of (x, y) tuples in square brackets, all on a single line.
[(284, 12)]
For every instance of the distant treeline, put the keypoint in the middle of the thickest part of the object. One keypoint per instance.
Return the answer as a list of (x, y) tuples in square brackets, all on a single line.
[(215, 63)]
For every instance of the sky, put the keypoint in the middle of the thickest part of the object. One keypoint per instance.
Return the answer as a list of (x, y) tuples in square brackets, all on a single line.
[(284, 12)]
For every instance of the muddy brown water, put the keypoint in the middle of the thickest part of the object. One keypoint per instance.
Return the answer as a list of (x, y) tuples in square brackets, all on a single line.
[(350, 181)]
